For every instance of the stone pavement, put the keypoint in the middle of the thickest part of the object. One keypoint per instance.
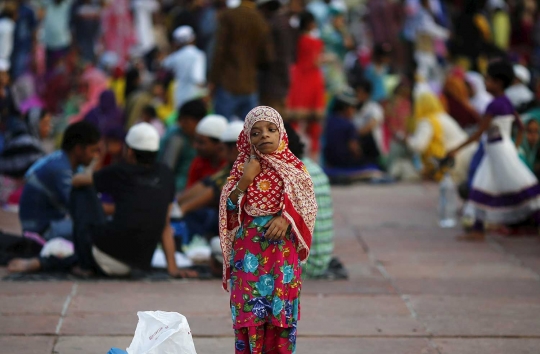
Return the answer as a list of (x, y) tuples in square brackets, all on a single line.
[(413, 289)]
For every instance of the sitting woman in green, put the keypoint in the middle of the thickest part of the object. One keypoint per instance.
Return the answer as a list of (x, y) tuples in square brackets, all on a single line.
[(529, 150)]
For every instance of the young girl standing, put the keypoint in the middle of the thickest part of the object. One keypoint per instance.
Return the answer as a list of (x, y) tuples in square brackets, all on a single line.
[(504, 191), (267, 214)]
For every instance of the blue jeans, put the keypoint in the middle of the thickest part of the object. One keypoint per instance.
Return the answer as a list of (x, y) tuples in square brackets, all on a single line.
[(203, 222), (230, 105)]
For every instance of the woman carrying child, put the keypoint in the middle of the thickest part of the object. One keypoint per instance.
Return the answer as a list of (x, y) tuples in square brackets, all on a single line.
[(504, 191), (267, 216)]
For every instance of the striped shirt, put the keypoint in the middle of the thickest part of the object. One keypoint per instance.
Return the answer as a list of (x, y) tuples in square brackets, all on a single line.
[(322, 245)]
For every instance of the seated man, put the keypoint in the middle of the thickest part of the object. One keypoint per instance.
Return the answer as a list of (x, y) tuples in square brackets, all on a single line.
[(368, 121), (199, 204), (344, 155), (143, 192), (209, 149), (176, 150), (44, 204)]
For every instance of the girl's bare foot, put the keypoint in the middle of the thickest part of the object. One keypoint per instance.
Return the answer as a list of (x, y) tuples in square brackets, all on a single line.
[(20, 265), (473, 236)]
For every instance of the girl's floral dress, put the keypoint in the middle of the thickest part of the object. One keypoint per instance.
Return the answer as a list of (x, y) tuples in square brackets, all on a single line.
[(264, 277), (265, 284)]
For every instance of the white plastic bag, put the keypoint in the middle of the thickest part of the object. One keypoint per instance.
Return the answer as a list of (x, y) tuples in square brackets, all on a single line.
[(160, 332)]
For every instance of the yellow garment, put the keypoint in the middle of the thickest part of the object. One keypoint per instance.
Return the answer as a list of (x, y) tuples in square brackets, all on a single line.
[(483, 25), (501, 29), (165, 109), (118, 86), (427, 106)]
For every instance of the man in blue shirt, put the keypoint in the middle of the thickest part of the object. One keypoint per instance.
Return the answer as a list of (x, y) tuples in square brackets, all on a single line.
[(44, 205)]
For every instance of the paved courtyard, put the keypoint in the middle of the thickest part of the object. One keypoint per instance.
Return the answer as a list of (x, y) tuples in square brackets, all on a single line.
[(412, 289)]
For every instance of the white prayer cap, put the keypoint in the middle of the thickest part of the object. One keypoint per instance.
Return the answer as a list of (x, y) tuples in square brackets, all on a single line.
[(143, 137), (4, 65), (230, 135), (212, 126), (522, 74), (184, 35), (231, 4)]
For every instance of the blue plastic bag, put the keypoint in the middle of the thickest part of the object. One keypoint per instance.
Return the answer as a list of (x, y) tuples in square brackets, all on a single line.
[(117, 351)]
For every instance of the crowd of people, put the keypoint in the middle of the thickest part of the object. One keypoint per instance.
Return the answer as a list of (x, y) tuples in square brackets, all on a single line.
[(102, 102), (211, 130)]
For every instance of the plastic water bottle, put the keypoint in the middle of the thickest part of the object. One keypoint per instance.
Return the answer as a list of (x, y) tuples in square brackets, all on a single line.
[(447, 202)]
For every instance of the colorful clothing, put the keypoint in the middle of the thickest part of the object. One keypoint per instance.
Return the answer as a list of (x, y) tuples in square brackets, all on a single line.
[(265, 339), (118, 35), (322, 245), (106, 115), (428, 137), (265, 276), (200, 169), (376, 76), (334, 74), (307, 83), (457, 103), (504, 190)]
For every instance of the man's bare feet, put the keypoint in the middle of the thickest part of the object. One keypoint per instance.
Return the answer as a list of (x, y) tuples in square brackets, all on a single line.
[(474, 236), (82, 273), (21, 265)]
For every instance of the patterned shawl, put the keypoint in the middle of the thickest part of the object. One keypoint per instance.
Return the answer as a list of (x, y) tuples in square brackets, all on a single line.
[(293, 189)]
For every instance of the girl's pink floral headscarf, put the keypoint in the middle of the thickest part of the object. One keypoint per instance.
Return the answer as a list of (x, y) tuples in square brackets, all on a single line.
[(297, 205)]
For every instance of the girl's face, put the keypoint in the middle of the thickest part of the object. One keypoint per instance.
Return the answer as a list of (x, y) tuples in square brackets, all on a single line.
[(264, 137), (533, 132)]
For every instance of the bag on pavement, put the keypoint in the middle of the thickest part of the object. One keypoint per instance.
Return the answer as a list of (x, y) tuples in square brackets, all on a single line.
[(160, 332), (117, 351)]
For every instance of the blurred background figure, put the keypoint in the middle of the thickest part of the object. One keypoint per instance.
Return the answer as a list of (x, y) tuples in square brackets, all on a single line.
[(243, 45)]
